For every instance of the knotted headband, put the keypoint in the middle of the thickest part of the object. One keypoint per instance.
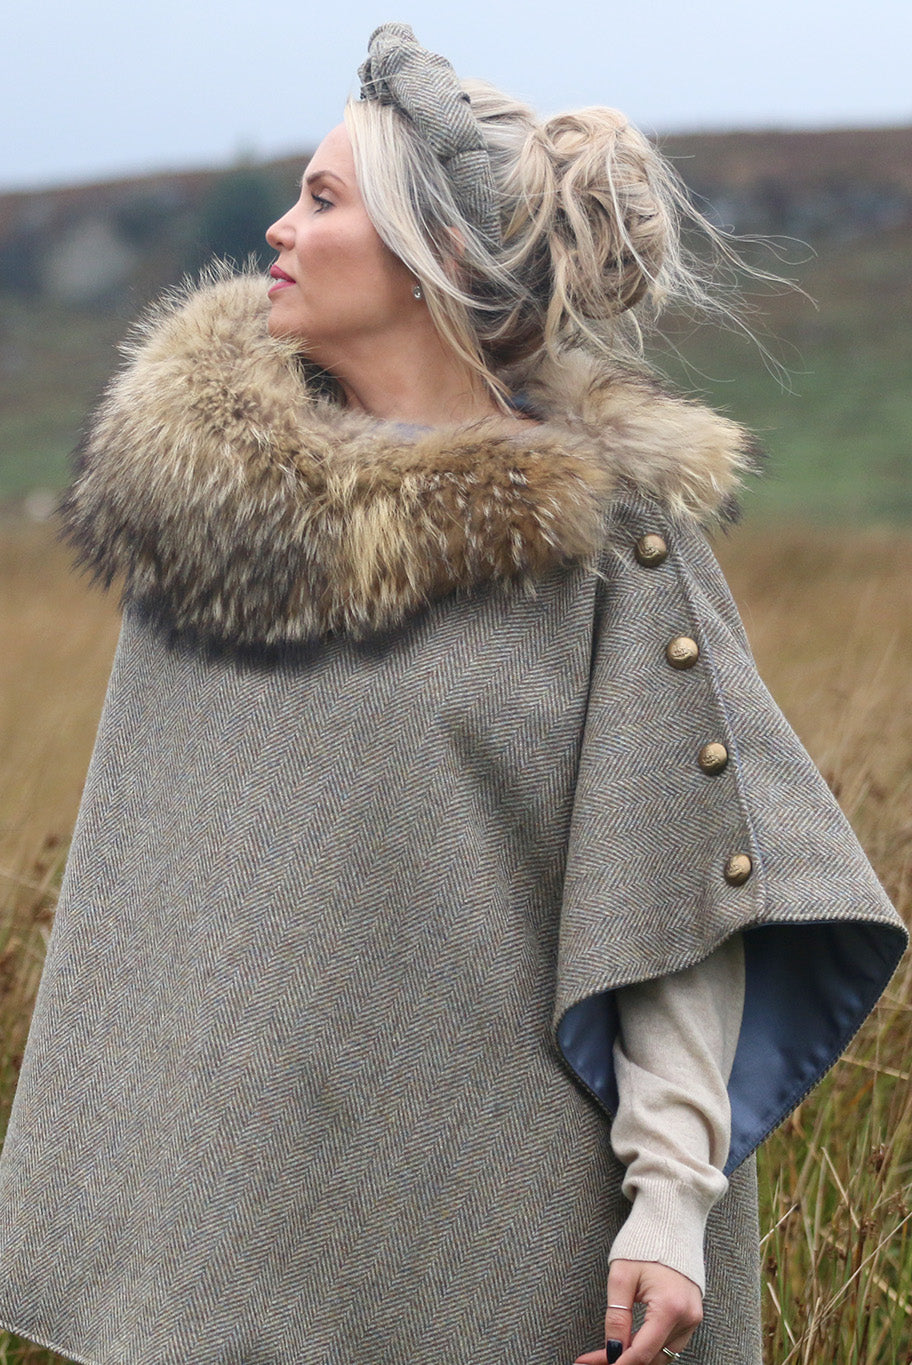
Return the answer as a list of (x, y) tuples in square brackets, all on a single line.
[(425, 88)]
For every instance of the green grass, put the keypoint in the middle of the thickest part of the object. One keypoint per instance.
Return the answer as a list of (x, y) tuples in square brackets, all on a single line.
[(838, 431), (53, 364)]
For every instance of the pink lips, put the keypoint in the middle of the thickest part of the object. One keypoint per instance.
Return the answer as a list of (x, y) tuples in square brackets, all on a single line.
[(283, 280)]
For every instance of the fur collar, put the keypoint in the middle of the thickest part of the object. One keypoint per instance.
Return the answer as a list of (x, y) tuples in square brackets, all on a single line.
[(234, 500)]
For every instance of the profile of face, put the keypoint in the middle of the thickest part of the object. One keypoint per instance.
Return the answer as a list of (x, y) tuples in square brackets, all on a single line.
[(337, 287)]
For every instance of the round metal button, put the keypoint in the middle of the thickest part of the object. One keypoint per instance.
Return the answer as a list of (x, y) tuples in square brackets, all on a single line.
[(738, 869), (651, 551), (682, 652), (713, 758)]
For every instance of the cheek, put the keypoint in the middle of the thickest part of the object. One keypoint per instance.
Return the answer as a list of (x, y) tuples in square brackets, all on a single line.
[(347, 277), (390, 279), (329, 259), (314, 253), (370, 278)]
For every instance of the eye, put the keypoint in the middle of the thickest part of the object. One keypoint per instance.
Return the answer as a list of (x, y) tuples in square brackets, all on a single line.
[(324, 204)]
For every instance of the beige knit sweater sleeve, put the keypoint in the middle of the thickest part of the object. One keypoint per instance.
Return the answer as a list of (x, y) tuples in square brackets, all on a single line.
[(673, 1058)]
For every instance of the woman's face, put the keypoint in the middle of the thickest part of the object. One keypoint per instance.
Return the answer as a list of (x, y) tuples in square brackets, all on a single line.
[(337, 284)]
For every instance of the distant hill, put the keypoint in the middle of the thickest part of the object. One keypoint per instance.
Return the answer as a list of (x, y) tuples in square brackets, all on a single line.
[(825, 186), (84, 243), (869, 156), (77, 263)]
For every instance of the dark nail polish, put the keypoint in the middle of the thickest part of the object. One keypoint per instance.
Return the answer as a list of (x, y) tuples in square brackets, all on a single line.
[(613, 1349)]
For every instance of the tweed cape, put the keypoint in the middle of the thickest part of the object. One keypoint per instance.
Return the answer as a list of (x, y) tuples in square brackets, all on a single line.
[(393, 786)]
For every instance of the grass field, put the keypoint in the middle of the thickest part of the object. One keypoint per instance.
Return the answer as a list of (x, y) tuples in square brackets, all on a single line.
[(838, 433), (828, 614)]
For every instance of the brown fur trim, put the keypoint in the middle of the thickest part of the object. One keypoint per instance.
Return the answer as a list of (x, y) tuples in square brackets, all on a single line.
[(223, 491)]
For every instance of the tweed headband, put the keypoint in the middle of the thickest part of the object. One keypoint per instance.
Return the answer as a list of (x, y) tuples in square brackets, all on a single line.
[(425, 88)]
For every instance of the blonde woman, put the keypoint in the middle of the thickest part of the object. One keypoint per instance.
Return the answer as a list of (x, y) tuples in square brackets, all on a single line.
[(450, 912)]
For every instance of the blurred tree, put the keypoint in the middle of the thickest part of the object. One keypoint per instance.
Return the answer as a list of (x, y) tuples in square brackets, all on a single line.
[(145, 216), (234, 216), (19, 260)]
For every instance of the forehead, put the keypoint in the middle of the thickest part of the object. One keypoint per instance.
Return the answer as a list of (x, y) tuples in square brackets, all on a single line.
[(334, 154)]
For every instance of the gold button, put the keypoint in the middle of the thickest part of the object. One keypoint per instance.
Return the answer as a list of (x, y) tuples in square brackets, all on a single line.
[(713, 758), (738, 869), (651, 551), (682, 652)]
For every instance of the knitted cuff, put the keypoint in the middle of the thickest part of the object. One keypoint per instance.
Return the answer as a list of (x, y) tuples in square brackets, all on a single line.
[(666, 1224)]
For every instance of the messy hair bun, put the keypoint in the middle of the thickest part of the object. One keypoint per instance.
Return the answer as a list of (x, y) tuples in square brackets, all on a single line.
[(591, 217), (612, 228)]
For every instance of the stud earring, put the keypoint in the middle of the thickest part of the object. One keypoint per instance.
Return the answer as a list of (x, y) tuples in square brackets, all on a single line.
[(416, 291)]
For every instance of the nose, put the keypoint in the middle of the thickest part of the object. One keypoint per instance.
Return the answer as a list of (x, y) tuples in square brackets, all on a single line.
[(281, 233)]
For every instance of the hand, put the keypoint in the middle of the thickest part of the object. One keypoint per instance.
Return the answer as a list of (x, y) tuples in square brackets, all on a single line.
[(674, 1309)]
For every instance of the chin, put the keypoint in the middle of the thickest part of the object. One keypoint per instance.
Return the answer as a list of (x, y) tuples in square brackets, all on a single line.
[(283, 321), (283, 330), (276, 328)]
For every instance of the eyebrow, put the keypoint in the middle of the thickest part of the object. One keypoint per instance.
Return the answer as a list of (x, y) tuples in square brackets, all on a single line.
[(321, 175)]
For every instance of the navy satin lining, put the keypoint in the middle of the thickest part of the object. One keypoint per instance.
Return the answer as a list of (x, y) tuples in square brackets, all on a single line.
[(808, 988)]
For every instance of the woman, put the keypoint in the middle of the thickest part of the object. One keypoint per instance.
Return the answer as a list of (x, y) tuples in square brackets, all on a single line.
[(439, 837)]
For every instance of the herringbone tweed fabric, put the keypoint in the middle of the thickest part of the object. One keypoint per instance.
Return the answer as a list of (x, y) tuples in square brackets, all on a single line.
[(424, 87), (292, 1091)]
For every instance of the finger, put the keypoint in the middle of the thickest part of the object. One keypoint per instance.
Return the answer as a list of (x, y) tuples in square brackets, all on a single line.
[(622, 1285), (675, 1345), (647, 1344)]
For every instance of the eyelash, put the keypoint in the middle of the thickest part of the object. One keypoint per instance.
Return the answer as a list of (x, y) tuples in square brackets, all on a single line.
[(325, 203)]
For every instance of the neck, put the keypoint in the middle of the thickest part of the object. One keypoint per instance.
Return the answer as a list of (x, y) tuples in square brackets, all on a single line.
[(412, 377)]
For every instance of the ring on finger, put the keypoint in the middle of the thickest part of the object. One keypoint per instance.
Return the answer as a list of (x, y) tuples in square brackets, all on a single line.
[(672, 1355), (622, 1307)]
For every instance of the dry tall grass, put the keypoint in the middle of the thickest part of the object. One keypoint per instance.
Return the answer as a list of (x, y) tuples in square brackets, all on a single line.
[(829, 617)]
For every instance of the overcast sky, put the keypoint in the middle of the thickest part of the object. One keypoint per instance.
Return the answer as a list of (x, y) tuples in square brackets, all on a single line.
[(93, 89)]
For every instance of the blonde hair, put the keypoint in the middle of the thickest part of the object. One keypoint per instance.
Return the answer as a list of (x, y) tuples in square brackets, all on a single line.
[(592, 217)]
